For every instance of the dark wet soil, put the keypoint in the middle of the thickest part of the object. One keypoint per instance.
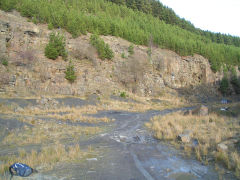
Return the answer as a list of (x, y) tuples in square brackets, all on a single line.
[(19, 102)]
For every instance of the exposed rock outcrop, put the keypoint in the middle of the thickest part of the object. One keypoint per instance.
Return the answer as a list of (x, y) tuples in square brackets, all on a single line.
[(4, 38), (23, 42)]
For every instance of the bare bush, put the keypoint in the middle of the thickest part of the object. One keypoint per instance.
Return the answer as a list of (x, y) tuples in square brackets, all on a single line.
[(85, 52), (44, 74), (25, 57), (132, 71)]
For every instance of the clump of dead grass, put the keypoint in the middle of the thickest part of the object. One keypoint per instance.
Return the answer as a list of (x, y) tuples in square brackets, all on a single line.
[(142, 105), (44, 132), (236, 162), (209, 131), (78, 117), (46, 158), (77, 113), (5, 109), (89, 109)]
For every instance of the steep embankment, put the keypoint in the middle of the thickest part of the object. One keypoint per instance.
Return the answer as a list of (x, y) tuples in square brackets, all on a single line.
[(30, 72)]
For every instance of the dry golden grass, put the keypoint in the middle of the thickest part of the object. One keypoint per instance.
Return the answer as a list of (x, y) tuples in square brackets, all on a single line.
[(208, 130), (75, 114), (223, 157), (4, 109), (76, 117), (89, 109), (236, 162), (144, 104), (47, 132), (125, 106), (46, 158)]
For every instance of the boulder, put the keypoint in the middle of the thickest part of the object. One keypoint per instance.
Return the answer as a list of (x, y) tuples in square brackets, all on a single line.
[(31, 33), (185, 138), (18, 109), (222, 147)]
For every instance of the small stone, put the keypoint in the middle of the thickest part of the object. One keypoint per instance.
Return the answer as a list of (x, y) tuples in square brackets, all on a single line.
[(122, 138), (91, 159), (185, 138), (18, 109), (222, 147), (168, 170)]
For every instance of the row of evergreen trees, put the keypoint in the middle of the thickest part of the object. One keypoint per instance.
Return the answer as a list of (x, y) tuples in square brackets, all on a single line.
[(107, 18), (228, 81), (157, 9)]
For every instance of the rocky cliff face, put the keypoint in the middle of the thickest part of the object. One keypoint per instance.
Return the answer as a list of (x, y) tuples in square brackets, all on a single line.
[(180, 72), (4, 37), (30, 72), (168, 68)]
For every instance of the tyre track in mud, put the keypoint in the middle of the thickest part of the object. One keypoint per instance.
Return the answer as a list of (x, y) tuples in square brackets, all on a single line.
[(132, 153)]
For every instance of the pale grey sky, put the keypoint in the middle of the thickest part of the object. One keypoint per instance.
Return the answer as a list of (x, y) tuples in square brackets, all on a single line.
[(214, 15)]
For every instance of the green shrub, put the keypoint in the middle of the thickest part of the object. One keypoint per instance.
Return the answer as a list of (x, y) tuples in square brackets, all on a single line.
[(8, 5), (149, 52), (50, 26), (108, 52), (123, 55), (56, 47), (4, 62), (131, 49), (123, 94), (70, 73), (103, 49), (51, 52), (236, 84), (224, 86)]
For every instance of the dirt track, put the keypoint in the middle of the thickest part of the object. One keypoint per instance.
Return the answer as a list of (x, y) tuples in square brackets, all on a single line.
[(127, 151)]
